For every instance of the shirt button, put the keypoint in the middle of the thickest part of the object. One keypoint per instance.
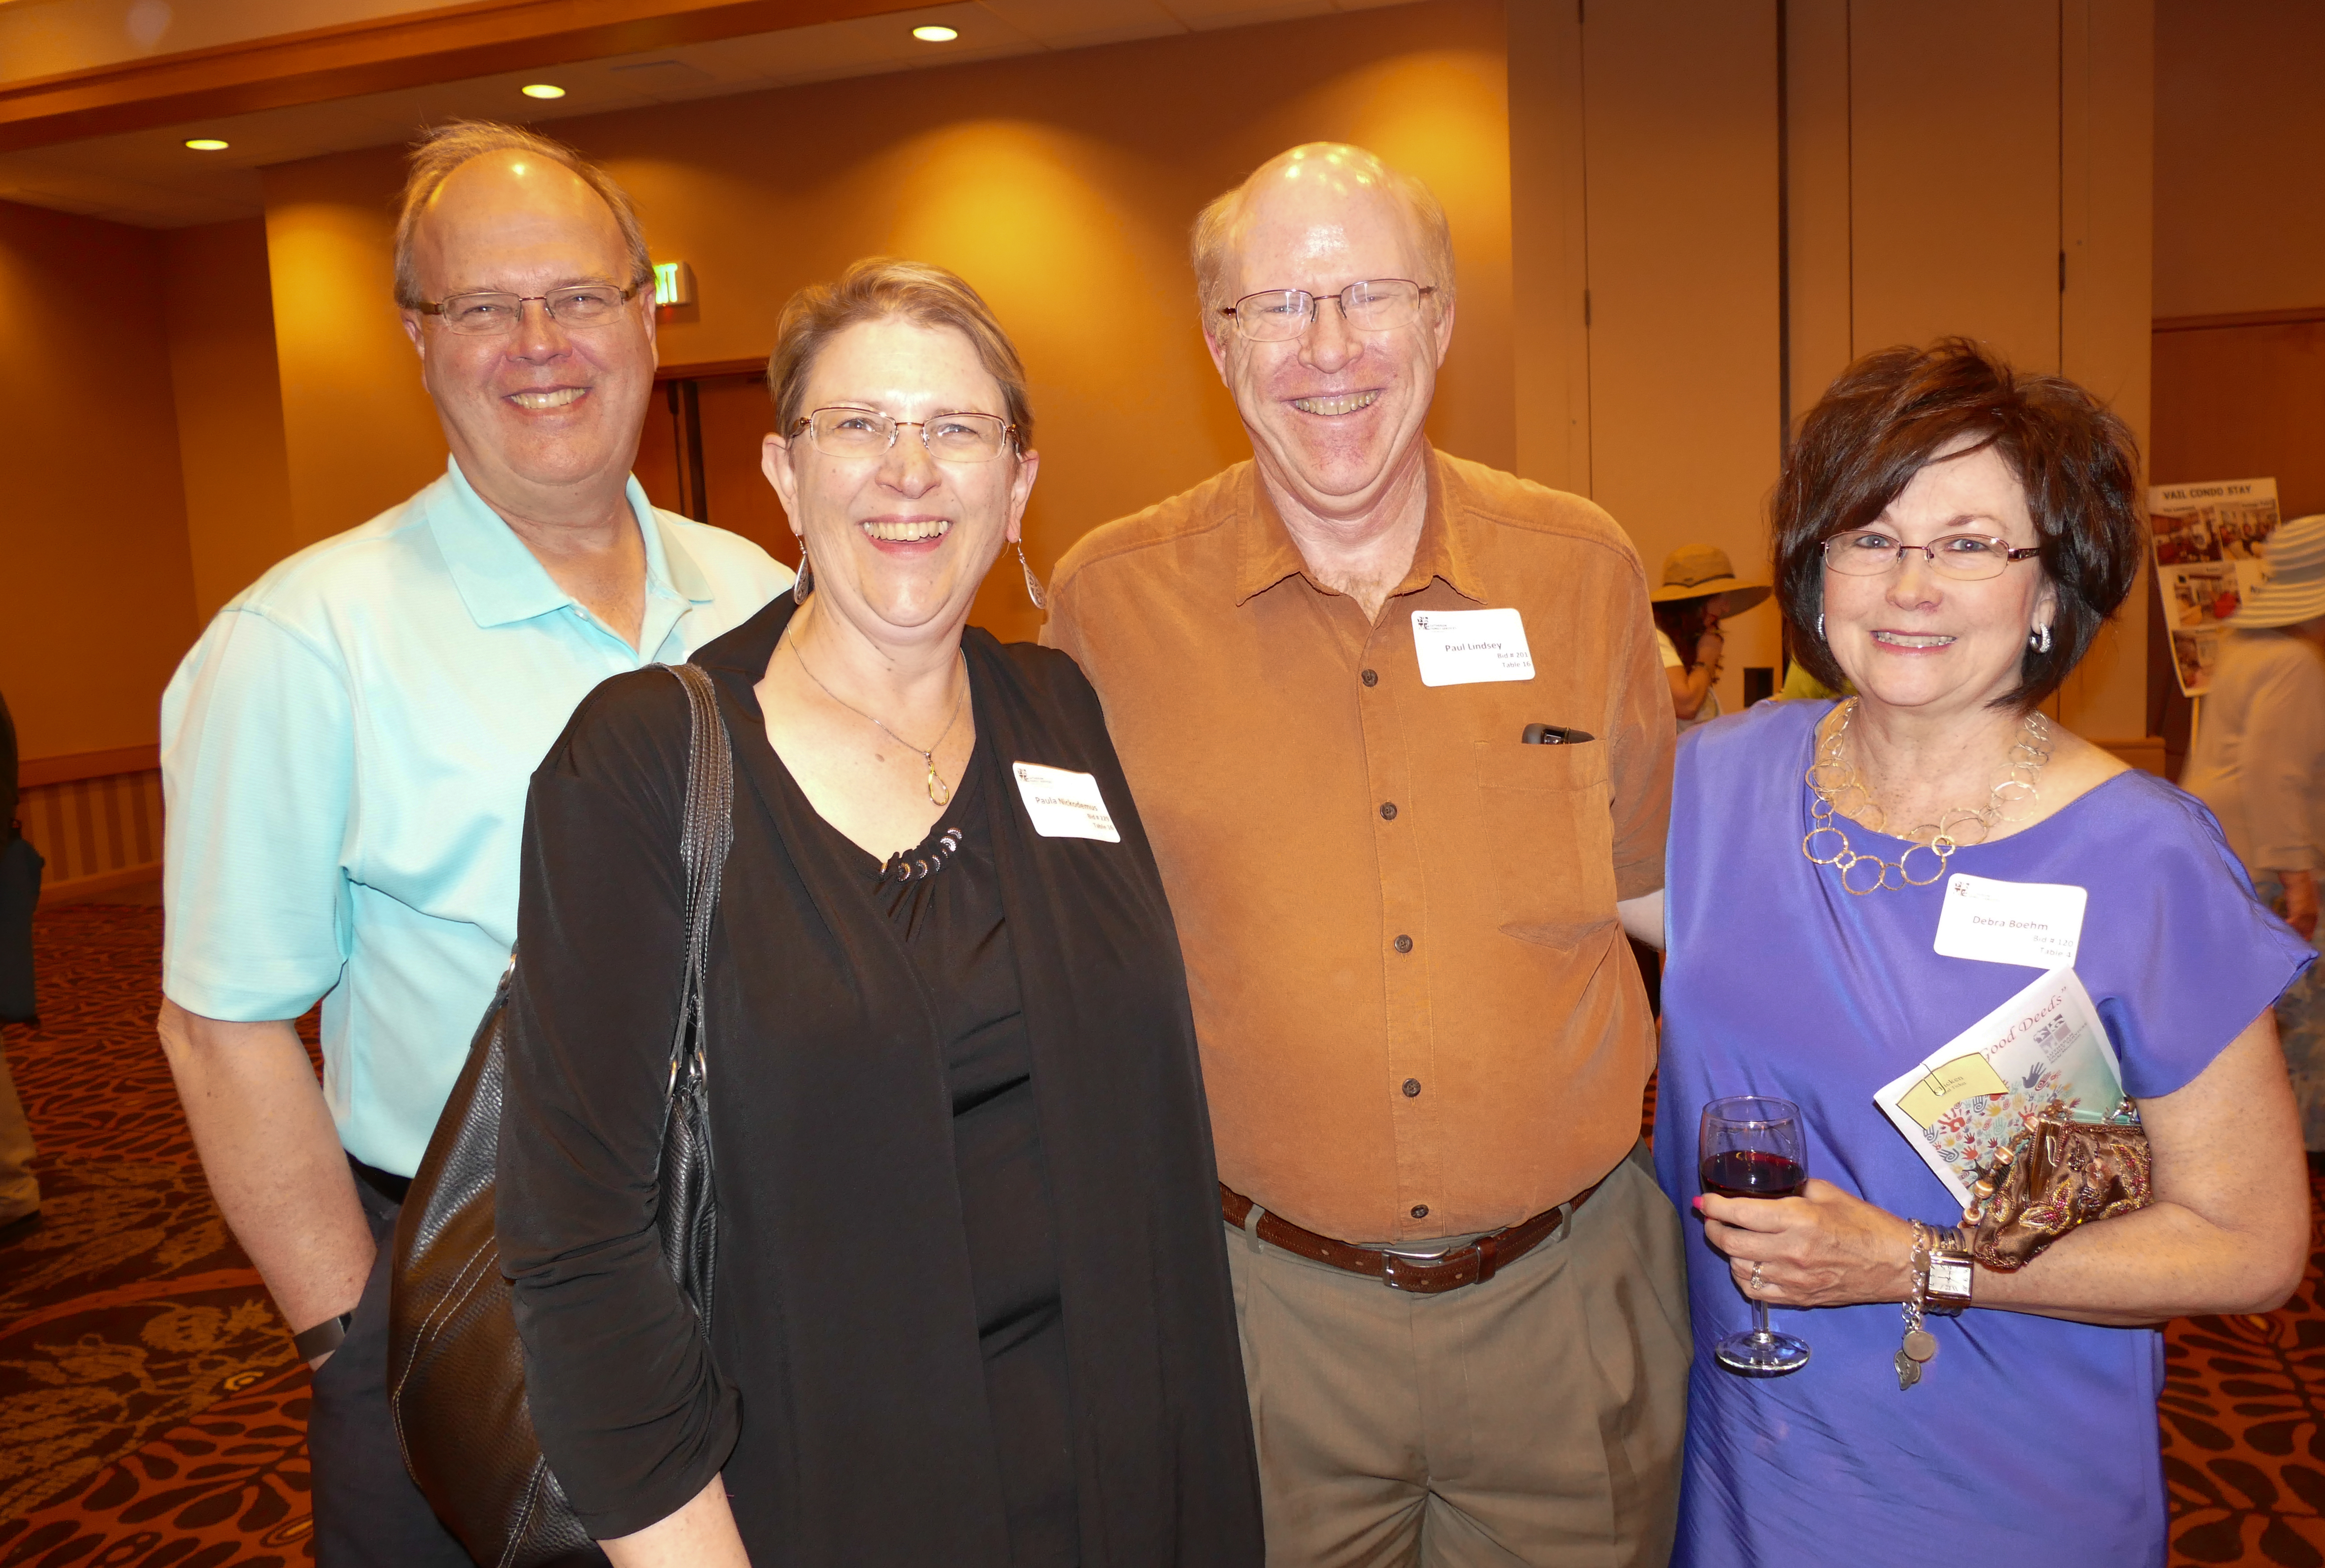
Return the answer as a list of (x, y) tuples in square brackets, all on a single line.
[(1404, 944), (1370, 677), (1420, 1210), (1411, 1088), (1388, 811)]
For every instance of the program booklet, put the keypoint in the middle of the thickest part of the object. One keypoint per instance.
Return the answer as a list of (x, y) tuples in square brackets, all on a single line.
[(1971, 1096)]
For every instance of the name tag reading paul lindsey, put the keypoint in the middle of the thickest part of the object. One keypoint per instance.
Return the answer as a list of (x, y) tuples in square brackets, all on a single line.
[(1459, 648), (2039, 924), (1063, 804)]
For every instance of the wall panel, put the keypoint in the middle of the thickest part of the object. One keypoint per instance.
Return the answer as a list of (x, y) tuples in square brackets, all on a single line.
[(1685, 395), (1954, 174)]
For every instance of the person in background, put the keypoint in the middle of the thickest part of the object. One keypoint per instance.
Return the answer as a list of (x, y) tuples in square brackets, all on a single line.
[(1949, 537), (1700, 591), (20, 895), (2259, 763), (345, 754), (1326, 670), (971, 1310)]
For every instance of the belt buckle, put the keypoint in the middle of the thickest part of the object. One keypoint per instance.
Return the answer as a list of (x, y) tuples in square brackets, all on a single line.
[(1406, 1255)]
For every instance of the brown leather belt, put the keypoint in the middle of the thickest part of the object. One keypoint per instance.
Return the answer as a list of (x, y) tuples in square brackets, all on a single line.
[(1471, 1264)]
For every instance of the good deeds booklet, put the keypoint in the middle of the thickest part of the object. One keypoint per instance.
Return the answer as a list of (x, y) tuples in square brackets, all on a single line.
[(1971, 1096)]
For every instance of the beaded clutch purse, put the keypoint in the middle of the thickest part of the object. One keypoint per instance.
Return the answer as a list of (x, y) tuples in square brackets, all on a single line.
[(2054, 1175)]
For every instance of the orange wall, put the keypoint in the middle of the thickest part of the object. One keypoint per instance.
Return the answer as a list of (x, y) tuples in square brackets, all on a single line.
[(2239, 137), (99, 585), (229, 406), (1060, 185)]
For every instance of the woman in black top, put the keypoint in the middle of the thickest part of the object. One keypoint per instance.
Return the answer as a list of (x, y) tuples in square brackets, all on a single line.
[(971, 1303)]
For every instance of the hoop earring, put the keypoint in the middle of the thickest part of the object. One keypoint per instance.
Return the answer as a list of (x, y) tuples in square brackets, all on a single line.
[(2040, 639), (804, 583), (1033, 584)]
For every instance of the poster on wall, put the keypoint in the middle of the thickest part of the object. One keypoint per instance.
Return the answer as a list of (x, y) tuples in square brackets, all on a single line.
[(2207, 539)]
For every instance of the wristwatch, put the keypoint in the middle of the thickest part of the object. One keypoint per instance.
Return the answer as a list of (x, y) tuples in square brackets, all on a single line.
[(1951, 1271), (323, 1338)]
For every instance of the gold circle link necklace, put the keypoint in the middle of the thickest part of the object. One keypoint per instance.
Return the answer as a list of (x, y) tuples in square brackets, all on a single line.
[(1834, 780)]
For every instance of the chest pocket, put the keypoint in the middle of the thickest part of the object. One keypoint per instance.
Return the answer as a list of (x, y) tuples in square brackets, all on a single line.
[(1544, 834)]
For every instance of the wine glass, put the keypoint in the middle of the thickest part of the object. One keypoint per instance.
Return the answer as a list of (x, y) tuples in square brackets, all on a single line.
[(1751, 1146)]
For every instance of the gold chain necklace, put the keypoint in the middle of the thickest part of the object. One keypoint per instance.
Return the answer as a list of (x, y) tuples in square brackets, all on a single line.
[(1832, 779), (939, 791)]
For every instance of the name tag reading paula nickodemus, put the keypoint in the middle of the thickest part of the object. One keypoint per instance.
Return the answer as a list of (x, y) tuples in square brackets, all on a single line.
[(2039, 924), (1459, 648), (1063, 804)]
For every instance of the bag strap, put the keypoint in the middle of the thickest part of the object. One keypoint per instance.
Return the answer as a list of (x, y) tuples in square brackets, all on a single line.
[(706, 833)]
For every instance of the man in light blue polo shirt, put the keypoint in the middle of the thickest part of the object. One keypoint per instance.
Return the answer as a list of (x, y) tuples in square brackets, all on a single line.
[(345, 753)]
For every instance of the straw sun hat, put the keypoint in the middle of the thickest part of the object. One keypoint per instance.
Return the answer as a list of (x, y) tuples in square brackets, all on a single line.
[(2295, 590), (1696, 570)]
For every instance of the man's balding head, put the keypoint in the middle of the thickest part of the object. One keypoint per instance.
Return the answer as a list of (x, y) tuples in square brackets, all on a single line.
[(1312, 175), (535, 164)]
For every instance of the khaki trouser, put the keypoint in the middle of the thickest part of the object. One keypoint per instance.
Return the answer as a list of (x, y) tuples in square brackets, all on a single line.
[(1536, 1419), (20, 1194)]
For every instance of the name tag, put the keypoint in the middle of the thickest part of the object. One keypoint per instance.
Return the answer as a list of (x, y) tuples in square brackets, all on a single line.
[(2039, 924), (1064, 804), (1459, 647)]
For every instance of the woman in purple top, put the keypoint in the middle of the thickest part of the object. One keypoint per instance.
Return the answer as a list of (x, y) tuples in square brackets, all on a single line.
[(1949, 538)]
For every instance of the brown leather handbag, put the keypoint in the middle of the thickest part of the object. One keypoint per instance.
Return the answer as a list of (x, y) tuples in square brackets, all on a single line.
[(455, 1367), (2056, 1174)]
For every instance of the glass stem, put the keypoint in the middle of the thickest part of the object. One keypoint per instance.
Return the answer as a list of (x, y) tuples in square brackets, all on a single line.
[(1760, 1320)]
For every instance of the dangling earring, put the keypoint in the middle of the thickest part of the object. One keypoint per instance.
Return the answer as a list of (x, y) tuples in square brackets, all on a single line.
[(2040, 638), (1033, 584), (803, 584), (1819, 625)]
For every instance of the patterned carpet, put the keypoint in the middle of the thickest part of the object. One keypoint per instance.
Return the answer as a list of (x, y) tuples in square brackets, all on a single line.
[(152, 1415)]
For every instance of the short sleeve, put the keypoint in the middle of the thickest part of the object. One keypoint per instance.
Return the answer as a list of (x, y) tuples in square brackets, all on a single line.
[(1670, 650), (257, 766), (2186, 957)]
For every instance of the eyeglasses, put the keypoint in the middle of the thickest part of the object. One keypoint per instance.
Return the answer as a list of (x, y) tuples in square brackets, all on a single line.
[(1964, 557), (1374, 305), (583, 305), (866, 432)]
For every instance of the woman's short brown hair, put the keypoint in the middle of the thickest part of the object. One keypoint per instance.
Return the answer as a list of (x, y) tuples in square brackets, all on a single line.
[(1891, 413), (875, 289)]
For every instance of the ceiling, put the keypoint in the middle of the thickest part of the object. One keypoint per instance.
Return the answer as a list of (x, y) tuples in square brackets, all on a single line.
[(149, 177)]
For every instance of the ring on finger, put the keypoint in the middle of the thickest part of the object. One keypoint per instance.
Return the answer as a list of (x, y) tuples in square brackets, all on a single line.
[(1753, 1286)]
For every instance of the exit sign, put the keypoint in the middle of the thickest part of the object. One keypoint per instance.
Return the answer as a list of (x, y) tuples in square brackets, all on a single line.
[(673, 283)]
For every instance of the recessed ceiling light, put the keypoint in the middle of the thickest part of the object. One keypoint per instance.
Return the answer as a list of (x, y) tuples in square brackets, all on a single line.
[(206, 143), (935, 34), (541, 90)]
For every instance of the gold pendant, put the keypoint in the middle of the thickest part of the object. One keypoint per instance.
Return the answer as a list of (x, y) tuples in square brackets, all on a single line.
[(939, 791), (1921, 1344)]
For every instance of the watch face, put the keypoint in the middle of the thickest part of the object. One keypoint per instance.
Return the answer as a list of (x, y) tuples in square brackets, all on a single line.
[(1950, 1276)]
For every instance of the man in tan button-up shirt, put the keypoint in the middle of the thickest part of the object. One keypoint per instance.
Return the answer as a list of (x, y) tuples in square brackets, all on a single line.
[(1424, 1038)]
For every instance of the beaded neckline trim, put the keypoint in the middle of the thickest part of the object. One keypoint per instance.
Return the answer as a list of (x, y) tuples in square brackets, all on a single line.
[(920, 866)]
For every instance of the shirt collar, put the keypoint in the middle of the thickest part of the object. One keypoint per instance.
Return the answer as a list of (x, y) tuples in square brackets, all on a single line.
[(501, 581), (1266, 554)]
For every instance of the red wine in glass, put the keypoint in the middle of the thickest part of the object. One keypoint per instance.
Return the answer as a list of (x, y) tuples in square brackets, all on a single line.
[(1753, 1174), (1752, 1147)]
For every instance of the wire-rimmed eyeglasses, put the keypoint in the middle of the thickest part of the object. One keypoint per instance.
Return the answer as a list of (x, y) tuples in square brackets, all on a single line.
[(865, 432), (579, 305), (1965, 557), (1370, 305)]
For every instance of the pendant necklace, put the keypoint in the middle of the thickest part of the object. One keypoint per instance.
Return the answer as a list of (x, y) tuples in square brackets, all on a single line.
[(1832, 779), (939, 791)]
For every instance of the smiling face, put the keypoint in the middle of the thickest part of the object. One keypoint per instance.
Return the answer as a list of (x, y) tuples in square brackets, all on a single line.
[(1334, 415), (1914, 638), (900, 542), (541, 408)]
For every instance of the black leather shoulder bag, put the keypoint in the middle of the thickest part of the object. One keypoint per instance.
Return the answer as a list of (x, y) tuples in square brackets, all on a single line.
[(455, 1369)]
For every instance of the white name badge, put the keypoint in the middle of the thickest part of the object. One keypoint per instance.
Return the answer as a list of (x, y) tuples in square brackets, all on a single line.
[(2039, 924), (1458, 647), (1064, 804)]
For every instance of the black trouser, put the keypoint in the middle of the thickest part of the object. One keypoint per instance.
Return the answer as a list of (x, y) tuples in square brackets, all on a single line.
[(368, 1512)]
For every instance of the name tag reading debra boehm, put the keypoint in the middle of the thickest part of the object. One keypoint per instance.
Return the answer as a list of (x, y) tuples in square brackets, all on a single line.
[(1461, 648), (1063, 804)]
